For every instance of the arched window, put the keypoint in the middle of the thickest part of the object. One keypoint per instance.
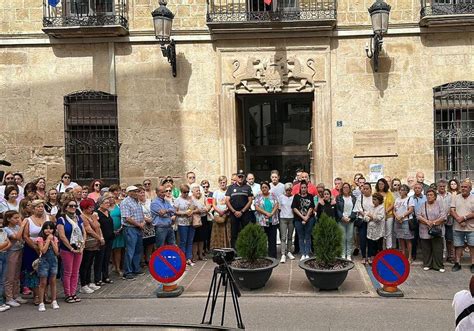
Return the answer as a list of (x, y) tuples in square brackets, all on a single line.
[(91, 132), (454, 130)]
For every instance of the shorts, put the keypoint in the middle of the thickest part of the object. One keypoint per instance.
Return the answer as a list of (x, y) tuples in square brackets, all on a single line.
[(448, 233), (48, 266), (461, 237)]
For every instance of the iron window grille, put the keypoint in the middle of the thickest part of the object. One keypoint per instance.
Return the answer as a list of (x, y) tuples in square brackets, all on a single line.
[(91, 136), (86, 13), (228, 11), (446, 7), (454, 130)]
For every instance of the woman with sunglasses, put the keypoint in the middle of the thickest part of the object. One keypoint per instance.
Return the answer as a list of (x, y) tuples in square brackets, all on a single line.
[(174, 190), (72, 237), (395, 188), (220, 235), (31, 250), (66, 183), (184, 212), (95, 187), (208, 202), (149, 193), (169, 197)]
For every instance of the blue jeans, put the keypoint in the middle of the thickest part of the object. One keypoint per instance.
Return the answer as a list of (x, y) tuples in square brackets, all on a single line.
[(164, 236), (186, 236), (3, 272), (133, 250), (347, 238), (304, 235)]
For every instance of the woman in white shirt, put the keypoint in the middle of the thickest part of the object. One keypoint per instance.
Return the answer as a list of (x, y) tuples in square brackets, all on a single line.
[(10, 202), (345, 215), (65, 183), (376, 226), (286, 223)]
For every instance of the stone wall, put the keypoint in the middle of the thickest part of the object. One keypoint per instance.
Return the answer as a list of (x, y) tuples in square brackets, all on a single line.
[(399, 97)]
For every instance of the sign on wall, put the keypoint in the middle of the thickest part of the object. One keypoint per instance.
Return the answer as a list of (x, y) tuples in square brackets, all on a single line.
[(375, 143)]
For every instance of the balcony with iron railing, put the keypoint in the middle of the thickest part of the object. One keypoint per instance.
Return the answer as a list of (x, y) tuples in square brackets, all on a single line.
[(238, 14), (85, 18), (447, 13)]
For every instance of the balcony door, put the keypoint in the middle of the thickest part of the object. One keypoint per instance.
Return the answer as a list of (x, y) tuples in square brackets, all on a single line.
[(89, 7), (274, 132)]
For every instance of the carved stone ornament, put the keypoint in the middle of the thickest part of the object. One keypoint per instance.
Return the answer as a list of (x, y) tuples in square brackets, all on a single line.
[(274, 73)]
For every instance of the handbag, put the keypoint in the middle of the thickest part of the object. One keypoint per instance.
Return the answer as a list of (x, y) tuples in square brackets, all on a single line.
[(35, 263), (92, 244), (219, 219), (434, 231), (196, 220), (359, 221), (412, 224)]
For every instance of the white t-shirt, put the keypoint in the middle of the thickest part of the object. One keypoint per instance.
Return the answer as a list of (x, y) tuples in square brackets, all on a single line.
[(61, 188), (6, 206), (277, 189), (285, 206), (219, 196), (255, 190), (20, 194), (461, 301)]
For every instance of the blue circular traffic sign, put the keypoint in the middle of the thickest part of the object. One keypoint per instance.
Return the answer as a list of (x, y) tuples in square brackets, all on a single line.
[(167, 264), (390, 267)]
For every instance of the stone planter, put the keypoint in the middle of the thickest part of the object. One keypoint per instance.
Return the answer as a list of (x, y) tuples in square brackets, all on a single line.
[(324, 279), (253, 279)]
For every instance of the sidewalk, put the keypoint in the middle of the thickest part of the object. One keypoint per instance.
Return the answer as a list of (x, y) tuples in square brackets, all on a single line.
[(289, 280)]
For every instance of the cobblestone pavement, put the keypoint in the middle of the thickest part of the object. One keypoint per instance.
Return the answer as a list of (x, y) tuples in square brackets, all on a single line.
[(289, 280)]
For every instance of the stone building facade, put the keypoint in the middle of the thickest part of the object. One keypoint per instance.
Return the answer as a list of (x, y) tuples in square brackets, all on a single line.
[(255, 92)]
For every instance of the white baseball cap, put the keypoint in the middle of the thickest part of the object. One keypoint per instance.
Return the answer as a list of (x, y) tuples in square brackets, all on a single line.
[(131, 188)]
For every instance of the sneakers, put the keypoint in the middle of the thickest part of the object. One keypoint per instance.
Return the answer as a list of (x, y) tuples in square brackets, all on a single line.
[(54, 305), (140, 273), (283, 259), (4, 308), (86, 289), (128, 277), (41, 307), (290, 256), (456, 267), (21, 300), (426, 268), (304, 257), (94, 287), (349, 258), (13, 303), (190, 263), (442, 270)]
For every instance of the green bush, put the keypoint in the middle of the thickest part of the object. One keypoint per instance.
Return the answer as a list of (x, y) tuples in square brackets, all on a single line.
[(252, 243), (327, 241)]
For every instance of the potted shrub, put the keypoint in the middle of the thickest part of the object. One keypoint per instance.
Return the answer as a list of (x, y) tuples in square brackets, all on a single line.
[(327, 270), (253, 268)]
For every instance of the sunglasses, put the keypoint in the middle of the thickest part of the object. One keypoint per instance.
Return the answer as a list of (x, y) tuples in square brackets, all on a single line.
[(205, 186), (184, 192), (97, 184), (72, 206), (168, 191), (66, 177), (7, 178), (147, 184)]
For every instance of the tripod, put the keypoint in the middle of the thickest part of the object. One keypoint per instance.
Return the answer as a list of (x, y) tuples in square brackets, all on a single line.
[(225, 279)]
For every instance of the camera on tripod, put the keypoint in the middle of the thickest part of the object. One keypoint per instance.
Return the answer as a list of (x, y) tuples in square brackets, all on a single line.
[(223, 255)]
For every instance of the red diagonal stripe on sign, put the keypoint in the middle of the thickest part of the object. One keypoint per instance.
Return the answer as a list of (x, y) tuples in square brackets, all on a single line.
[(169, 265), (395, 272)]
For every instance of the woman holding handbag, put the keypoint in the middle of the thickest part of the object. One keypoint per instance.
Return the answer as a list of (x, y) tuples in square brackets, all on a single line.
[(431, 217), (184, 212), (92, 247), (402, 212), (345, 215), (31, 249), (267, 213), (200, 223), (220, 235), (72, 236)]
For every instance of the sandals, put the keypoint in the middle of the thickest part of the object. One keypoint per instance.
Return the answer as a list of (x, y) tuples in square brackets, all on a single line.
[(99, 283), (70, 299), (76, 298), (108, 281)]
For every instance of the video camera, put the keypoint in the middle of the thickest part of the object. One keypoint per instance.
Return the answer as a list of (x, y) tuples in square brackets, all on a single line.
[(223, 255)]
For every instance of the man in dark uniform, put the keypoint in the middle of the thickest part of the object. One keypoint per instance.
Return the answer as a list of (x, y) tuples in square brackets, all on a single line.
[(239, 198)]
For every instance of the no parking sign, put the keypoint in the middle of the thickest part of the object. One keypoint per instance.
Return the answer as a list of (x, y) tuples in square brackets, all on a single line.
[(391, 268), (167, 264)]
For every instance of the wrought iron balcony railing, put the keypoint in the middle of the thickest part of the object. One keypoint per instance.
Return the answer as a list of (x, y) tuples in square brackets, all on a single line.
[(235, 11), (60, 14), (446, 7)]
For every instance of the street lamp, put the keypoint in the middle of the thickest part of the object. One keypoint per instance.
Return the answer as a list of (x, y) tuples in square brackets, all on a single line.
[(379, 12), (163, 21)]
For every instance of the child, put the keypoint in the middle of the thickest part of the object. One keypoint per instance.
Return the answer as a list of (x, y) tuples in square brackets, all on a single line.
[(11, 223), (48, 265), (4, 246)]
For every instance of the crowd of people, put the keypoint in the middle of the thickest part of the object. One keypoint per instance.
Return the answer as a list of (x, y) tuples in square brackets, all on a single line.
[(79, 234)]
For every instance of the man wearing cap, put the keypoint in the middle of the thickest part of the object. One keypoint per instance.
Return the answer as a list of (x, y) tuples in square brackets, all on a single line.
[(133, 221), (239, 198), (162, 211)]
